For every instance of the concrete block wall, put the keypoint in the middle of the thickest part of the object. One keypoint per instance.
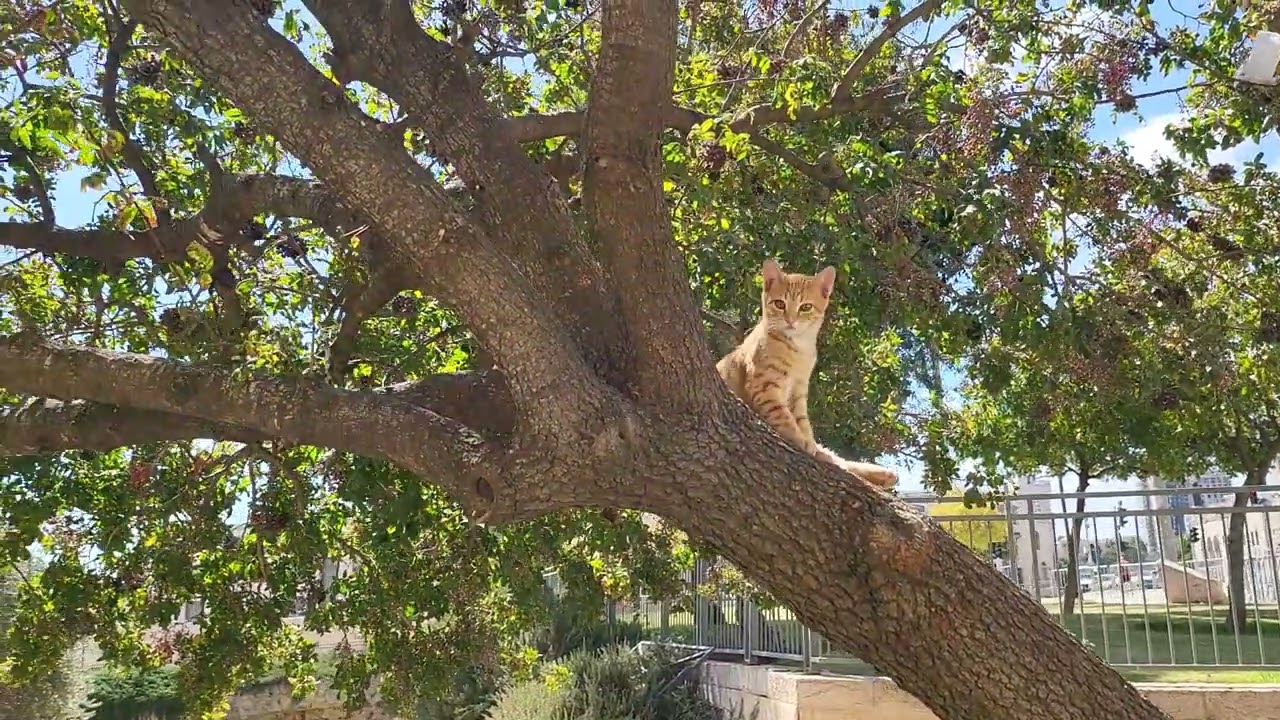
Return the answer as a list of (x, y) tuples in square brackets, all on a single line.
[(768, 693)]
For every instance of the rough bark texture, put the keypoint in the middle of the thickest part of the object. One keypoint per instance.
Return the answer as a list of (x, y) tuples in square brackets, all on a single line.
[(603, 392)]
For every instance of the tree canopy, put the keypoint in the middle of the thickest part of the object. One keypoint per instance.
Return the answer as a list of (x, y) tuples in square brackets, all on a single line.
[(433, 288)]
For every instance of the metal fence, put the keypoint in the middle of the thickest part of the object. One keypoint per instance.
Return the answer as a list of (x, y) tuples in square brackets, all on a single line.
[(1152, 586)]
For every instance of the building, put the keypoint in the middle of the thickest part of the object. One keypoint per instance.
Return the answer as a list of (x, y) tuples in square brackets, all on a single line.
[(1181, 523), (1033, 542), (1261, 550)]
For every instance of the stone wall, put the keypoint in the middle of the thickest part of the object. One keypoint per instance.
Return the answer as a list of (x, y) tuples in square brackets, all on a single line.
[(273, 702), (764, 693)]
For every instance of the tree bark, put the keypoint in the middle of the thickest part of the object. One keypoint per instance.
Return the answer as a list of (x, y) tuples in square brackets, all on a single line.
[(1072, 590), (883, 582)]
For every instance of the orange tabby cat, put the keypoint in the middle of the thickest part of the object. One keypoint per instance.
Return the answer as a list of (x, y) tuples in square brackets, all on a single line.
[(770, 370)]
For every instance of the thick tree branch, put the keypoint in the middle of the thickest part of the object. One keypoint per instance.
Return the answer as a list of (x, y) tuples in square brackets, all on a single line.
[(623, 200), (454, 260), (233, 201), (305, 412), (522, 209), (47, 426)]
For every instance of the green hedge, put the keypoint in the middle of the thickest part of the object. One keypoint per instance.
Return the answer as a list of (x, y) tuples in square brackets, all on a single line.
[(131, 694)]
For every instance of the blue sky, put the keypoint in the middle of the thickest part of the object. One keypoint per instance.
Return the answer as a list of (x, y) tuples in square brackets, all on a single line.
[(1142, 131)]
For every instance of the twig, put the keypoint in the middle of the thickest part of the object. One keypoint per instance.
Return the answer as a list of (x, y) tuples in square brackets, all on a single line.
[(801, 28), (869, 53)]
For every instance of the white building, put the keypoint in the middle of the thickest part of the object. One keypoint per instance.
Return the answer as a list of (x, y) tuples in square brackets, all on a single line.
[(1033, 542), (1209, 481), (1261, 550)]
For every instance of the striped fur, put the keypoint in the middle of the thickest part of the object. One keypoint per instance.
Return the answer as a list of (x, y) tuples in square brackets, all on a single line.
[(770, 370)]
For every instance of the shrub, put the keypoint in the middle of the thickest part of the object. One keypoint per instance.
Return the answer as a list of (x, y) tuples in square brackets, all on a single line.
[(610, 684), (46, 698), (472, 695), (572, 627), (530, 700), (131, 694)]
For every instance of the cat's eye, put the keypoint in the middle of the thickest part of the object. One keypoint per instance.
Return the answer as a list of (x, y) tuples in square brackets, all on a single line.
[(806, 307), (780, 304)]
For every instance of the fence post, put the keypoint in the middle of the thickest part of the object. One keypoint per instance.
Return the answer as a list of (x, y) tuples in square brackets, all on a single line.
[(664, 618), (747, 618), (806, 648)]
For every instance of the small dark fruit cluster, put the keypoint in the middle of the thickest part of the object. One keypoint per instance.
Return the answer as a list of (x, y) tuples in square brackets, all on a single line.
[(713, 156), (729, 71), (454, 9), (245, 132), (147, 71), (838, 24), (267, 519), (292, 247), (24, 192), (404, 305), (1222, 173), (173, 322), (254, 230)]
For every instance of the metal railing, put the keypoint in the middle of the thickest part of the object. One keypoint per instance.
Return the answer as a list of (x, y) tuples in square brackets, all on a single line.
[(1152, 591)]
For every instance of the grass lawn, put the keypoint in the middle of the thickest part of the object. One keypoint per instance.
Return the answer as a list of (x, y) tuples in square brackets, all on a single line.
[(1133, 641)]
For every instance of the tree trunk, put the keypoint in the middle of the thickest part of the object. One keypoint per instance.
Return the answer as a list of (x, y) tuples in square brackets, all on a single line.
[(1235, 549), (1072, 590), (881, 581)]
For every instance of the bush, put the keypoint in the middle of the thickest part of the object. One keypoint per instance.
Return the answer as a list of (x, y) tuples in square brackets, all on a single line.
[(531, 700), (48, 697), (131, 694), (472, 694), (610, 684), (118, 694), (572, 627)]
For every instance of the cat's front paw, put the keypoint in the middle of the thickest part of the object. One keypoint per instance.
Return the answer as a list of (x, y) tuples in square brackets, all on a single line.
[(874, 474)]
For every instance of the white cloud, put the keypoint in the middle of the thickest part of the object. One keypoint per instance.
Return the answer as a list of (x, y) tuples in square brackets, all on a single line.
[(1148, 143)]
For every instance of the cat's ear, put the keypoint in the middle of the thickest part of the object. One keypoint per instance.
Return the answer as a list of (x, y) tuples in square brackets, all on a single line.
[(770, 272), (827, 281)]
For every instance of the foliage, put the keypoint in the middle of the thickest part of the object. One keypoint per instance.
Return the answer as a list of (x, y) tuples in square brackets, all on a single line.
[(612, 683), (573, 626), (128, 695), (1100, 314), (980, 525), (42, 698), (142, 692)]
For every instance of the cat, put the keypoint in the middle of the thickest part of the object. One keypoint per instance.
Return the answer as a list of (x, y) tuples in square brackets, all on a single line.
[(770, 370)]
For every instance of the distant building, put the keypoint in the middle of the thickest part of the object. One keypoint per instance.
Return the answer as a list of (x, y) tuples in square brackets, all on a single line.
[(1181, 523), (1033, 541)]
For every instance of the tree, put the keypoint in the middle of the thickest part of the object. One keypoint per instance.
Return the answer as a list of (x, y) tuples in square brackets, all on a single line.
[(1051, 399), (46, 697), (981, 527), (440, 348)]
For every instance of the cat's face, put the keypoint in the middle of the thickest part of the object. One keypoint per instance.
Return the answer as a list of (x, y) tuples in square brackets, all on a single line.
[(793, 303)]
